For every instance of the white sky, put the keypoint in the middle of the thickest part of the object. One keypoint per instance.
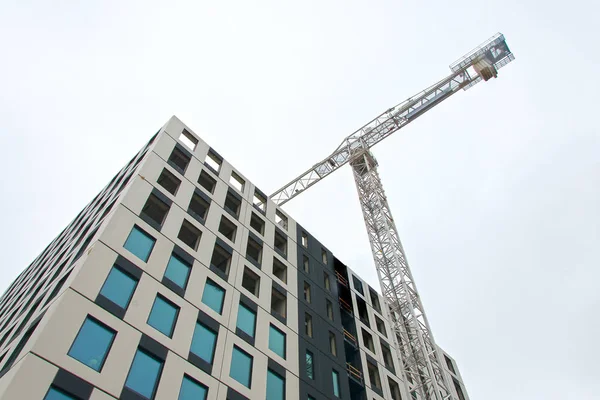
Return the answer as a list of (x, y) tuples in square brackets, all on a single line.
[(495, 192)]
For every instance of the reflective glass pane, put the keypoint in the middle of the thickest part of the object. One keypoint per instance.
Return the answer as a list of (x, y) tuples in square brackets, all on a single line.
[(144, 374), (336, 383), (55, 394), (178, 271), (192, 390), (213, 296), (139, 243), (203, 342), (275, 386), (163, 316), (119, 287), (310, 368), (92, 344), (277, 341), (246, 320), (241, 367)]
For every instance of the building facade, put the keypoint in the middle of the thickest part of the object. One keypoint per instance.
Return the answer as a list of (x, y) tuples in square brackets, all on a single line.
[(182, 280)]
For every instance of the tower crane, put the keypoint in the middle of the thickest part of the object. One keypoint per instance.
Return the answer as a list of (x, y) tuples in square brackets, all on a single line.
[(420, 358)]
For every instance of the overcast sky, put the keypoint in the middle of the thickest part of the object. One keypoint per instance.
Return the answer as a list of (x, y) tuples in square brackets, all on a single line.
[(495, 192)]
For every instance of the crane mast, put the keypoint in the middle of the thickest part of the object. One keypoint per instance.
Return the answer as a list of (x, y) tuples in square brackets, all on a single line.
[(420, 359)]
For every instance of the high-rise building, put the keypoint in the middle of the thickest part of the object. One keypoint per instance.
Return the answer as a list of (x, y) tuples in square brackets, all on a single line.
[(182, 280)]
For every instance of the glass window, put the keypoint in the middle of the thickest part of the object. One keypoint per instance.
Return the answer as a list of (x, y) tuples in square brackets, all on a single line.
[(335, 378), (192, 389), (203, 342), (246, 320), (144, 374), (277, 341), (139, 243), (57, 394), (213, 296), (310, 366), (163, 315), (241, 366), (119, 287), (92, 343), (178, 271), (275, 386)]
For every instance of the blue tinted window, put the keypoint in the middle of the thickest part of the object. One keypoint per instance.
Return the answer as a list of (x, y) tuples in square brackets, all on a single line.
[(275, 386), (163, 316), (192, 390), (119, 287), (139, 243), (144, 374), (310, 367), (277, 341), (246, 320), (213, 296), (55, 394), (92, 343), (335, 377), (203, 342), (178, 271), (241, 367)]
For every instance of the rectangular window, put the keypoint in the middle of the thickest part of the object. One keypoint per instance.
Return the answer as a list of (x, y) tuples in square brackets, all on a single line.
[(251, 281), (281, 219), (257, 224), (189, 234), (155, 210), (169, 181), (332, 344), (198, 207), (324, 256), (246, 320), (213, 296), (449, 364), (275, 386), (380, 326), (326, 281), (304, 239), (277, 341), (163, 316), (374, 375), (254, 251), (241, 366), (178, 271), (375, 300), (221, 259), (280, 243), (306, 264), (308, 325), (119, 287), (307, 296), (57, 394), (387, 357), (139, 243), (92, 343), (204, 341), (279, 270), (335, 379), (144, 374), (237, 182), (191, 389), (207, 182), (310, 366), (278, 303), (329, 310), (458, 389), (233, 204), (213, 161), (259, 201), (179, 159), (394, 390), (188, 140), (227, 228), (368, 340), (357, 285)]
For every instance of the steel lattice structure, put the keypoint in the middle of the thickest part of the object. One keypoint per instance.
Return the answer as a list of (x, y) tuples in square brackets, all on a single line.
[(420, 359)]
